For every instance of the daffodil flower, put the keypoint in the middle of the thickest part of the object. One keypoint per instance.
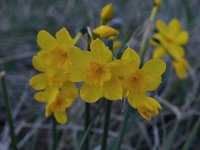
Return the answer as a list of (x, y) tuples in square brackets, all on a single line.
[(63, 100), (140, 81), (98, 72), (172, 37)]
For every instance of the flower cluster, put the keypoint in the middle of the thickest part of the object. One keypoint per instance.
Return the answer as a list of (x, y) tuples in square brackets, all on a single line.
[(62, 64), (170, 39), (52, 61)]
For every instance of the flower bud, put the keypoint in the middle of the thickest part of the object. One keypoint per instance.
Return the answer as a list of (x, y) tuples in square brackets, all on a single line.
[(106, 13)]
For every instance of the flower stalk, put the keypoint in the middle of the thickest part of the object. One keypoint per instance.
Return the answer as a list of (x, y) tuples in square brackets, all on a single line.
[(54, 134), (106, 125), (8, 112), (147, 31)]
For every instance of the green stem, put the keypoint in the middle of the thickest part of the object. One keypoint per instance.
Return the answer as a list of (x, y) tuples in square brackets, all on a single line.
[(9, 115), (146, 32), (54, 134), (106, 125), (123, 128), (87, 123)]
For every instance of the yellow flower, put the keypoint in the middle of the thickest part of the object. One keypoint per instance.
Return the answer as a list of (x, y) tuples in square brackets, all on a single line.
[(106, 13), (63, 100), (172, 37), (98, 72), (140, 81), (181, 67), (105, 31), (54, 51), (157, 3)]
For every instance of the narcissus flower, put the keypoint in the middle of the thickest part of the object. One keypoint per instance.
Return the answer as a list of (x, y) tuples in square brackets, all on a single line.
[(140, 81), (170, 40), (181, 67), (98, 72), (63, 100), (172, 37), (106, 13), (105, 31)]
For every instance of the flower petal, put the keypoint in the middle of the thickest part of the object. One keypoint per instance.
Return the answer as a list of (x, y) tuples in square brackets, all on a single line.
[(136, 99), (38, 82), (181, 67), (61, 117), (70, 93), (38, 63), (182, 38), (45, 40), (47, 96), (159, 52), (122, 68), (129, 53), (176, 51), (162, 27), (152, 82), (112, 89), (64, 37), (154, 67), (90, 93), (174, 27), (99, 52)]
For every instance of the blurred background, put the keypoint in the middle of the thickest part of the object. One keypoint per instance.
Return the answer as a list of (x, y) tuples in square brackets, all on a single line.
[(177, 125)]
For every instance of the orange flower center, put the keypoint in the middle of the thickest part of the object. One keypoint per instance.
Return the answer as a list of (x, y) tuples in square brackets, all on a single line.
[(59, 57), (135, 82), (97, 73)]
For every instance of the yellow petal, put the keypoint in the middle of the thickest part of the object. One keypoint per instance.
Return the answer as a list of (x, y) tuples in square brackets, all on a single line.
[(80, 59), (136, 99), (149, 108), (152, 82), (182, 38), (112, 89), (45, 40), (70, 93), (181, 67), (107, 13), (174, 27), (99, 52), (38, 82), (162, 27), (64, 37), (48, 112), (47, 96), (159, 52), (154, 67), (176, 51), (38, 63), (122, 68), (61, 117), (90, 93), (129, 53), (105, 31)]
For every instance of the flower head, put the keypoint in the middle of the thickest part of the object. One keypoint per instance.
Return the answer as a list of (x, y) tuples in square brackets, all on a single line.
[(98, 72), (140, 81), (157, 3), (106, 13), (105, 31)]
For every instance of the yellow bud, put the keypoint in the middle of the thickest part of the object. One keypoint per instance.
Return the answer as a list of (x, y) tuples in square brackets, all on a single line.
[(105, 31), (157, 3), (106, 13)]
